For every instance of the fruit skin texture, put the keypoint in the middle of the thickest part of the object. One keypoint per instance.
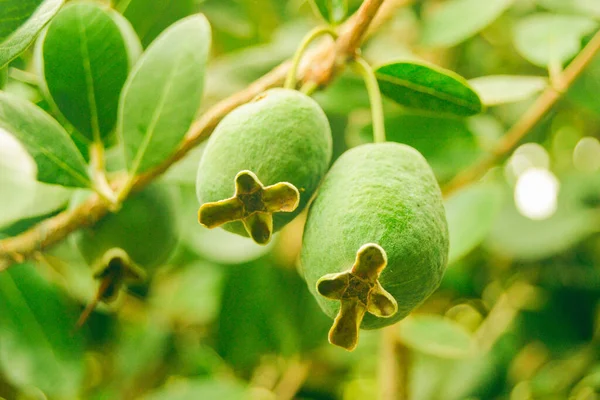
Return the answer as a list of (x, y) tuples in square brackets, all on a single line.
[(281, 136), (382, 193), (145, 227)]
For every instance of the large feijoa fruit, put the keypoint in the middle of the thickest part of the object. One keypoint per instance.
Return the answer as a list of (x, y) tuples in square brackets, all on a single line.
[(376, 239), (263, 163)]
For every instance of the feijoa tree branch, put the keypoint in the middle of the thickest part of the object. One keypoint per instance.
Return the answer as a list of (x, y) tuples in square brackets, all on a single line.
[(528, 120), (325, 62)]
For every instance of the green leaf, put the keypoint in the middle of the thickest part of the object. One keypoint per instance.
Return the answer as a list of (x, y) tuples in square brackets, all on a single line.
[(163, 93), (201, 389), (55, 154), (37, 344), (150, 17), (447, 143), (21, 195), (502, 89), (189, 295), (471, 213), (17, 179), (457, 20), (428, 88), (544, 39), (584, 91), (266, 310), (521, 238), (132, 41), (20, 22), (333, 11), (3, 77), (518, 237), (140, 349), (584, 7), (85, 62), (345, 94), (438, 336)]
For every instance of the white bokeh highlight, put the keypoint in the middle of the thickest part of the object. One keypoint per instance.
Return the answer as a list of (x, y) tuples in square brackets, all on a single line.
[(536, 193)]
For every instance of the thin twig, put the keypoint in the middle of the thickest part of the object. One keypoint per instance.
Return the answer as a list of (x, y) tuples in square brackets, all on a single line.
[(55, 229), (528, 121), (394, 366), (292, 379), (388, 365), (404, 360)]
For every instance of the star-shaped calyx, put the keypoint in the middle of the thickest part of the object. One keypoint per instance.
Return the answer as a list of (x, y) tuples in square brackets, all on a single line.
[(359, 291), (253, 204)]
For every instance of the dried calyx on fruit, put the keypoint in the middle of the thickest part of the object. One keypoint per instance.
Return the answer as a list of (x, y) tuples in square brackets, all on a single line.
[(263, 163), (376, 239), (124, 246)]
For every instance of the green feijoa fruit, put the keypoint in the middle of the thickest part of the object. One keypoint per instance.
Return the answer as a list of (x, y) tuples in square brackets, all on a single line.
[(376, 239), (263, 163), (144, 228)]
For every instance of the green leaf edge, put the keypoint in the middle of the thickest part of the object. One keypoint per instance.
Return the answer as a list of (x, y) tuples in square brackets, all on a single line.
[(85, 180), (46, 7), (497, 103), (132, 74), (316, 10), (446, 354)]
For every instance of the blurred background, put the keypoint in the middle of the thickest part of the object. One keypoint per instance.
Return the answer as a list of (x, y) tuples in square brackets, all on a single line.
[(516, 316)]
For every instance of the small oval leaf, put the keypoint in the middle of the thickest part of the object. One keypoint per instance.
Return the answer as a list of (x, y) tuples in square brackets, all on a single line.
[(583, 7), (3, 77), (544, 39), (428, 88), (457, 20), (448, 144), (17, 179), (471, 213), (200, 389), (502, 89), (437, 336), (520, 238), (85, 63), (38, 346), (54, 152), (150, 17), (163, 93), (20, 22), (133, 45), (333, 11)]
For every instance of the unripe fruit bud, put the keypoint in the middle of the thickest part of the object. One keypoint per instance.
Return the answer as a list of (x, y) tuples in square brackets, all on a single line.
[(121, 246), (144, 228)]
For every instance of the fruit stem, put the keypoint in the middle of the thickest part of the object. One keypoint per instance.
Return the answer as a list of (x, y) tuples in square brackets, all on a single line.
[(104, 285), (290, 81), (309, 88), (365, 70), (100, 183)]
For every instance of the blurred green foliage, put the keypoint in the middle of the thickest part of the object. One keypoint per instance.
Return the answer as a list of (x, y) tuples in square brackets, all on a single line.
[(515, 318)]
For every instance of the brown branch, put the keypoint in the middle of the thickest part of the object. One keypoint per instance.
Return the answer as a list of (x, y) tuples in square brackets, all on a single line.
[(55, 229), (528, 120)]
